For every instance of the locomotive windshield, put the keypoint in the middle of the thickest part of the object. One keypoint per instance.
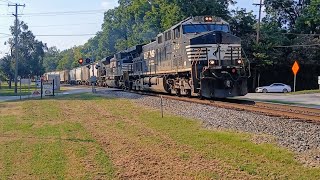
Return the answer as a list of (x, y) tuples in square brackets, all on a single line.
[(199, 28)]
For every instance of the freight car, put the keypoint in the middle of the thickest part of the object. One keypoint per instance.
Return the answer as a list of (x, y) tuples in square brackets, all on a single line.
[(64, 77)]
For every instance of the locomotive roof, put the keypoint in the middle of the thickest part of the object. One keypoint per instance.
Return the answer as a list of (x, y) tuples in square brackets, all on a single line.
[(137, 48), (196, 18), (107, 60)]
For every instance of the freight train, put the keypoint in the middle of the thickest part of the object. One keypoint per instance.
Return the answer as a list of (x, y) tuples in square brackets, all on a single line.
[(198, 56)]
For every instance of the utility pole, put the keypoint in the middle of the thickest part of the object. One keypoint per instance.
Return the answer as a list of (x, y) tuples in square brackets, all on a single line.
[(16, 46), (259, 21), (258, 39)]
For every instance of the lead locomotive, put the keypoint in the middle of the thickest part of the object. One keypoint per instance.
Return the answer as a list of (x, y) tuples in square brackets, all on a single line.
[(197, 56)]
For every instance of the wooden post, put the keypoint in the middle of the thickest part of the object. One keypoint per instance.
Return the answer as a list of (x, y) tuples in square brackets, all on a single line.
[(41, 88), (20, 88), (161, 106), (53, 87)]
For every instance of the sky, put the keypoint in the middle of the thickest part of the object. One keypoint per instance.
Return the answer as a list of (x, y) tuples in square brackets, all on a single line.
[(79, 17)]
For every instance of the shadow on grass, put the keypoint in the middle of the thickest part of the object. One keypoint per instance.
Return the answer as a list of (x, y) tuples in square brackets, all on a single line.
[(82, 96), (80, 140)]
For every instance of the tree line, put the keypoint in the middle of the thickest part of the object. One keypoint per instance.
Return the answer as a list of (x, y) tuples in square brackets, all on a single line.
[(290, 31)]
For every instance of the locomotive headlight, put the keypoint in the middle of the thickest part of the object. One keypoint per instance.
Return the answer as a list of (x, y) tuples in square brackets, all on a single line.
[(211, 62), (227, 83), (239, 61)]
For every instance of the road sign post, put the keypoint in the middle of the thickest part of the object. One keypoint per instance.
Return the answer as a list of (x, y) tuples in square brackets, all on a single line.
[(93, 80), (295, 69)]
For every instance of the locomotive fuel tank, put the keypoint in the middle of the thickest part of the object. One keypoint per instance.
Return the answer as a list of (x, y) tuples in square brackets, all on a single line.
[(154, 84)]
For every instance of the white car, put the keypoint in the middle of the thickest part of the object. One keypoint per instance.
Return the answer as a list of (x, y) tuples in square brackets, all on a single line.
[(275, 87)]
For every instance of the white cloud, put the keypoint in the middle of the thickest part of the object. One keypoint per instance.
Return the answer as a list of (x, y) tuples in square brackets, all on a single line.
[(109, 4)]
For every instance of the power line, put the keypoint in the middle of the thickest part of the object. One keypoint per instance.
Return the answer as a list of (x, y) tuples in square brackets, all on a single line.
[(299, 45), (3, 37), (302, 34), (64, 25), (63, 35), (67, 12), (6, 1)]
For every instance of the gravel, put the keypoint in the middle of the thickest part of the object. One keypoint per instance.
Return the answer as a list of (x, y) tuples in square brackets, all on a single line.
[(301, 137)]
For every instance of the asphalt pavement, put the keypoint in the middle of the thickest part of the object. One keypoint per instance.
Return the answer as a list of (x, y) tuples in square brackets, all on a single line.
[(311, 100)]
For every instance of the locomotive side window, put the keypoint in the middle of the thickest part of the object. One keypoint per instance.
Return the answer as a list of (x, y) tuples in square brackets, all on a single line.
[(177, 32), (158, 56), (168, 36), (160, 39)]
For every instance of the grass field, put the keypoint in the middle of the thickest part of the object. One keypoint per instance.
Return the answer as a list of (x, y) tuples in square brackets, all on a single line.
[(306, 92), (5, 91), (90, 137)]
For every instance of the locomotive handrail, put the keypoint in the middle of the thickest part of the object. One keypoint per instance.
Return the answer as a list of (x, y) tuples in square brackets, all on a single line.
[(249, 64), (199, 50)]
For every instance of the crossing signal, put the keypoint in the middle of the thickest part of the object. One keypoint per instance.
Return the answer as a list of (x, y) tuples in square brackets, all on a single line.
[(80, 61), (88, 61)]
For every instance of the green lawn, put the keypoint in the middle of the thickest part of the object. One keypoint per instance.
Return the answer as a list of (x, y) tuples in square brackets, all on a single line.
[(91, 137), (306, 92), (5, 91)]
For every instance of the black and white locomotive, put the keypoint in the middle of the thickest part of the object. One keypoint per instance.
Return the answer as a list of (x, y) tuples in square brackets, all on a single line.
[(198, 56)]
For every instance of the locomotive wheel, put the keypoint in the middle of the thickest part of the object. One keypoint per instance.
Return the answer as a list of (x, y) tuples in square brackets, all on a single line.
[(178, 92), (188, 92), (200, 96)]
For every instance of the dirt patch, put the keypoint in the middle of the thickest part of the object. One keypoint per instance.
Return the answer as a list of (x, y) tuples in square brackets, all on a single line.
[(136, 158), (310, 158), (11, 109), (263, 139)]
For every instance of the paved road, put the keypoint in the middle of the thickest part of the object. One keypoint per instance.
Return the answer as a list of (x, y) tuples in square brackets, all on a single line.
[(312, 100), (301, 99)]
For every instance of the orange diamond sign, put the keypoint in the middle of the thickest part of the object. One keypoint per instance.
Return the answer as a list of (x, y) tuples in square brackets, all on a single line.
[(295, 68)]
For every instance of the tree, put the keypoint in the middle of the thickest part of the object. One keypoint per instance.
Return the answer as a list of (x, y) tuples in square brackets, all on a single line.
[(309, 21), (6, 68), (50, 60), (30, 52)]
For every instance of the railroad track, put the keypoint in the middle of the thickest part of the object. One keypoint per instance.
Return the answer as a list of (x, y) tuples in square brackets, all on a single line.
[(270, 109)]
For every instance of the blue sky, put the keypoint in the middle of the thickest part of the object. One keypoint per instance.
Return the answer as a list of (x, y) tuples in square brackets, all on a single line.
[(75, 23)]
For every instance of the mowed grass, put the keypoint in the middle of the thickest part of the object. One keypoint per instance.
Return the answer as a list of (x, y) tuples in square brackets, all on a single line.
[(306, 92), (5, 91), (87, 137), (37, 141)]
